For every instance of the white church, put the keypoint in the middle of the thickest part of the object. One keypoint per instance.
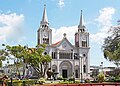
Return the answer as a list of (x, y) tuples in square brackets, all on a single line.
[(67, 59)]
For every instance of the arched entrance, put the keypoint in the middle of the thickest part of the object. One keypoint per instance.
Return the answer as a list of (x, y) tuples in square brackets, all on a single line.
[(65, 69)]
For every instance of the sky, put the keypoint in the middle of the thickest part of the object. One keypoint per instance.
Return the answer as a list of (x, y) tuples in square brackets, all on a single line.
[(20, 20)]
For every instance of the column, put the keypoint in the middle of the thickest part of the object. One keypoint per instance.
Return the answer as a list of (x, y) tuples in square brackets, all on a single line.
[(58, 68), (58, 62), (51, 56), (57, 54), (50, 37), (88, 64), (41, 37), (73, 63), (81, 68), (72, 54)]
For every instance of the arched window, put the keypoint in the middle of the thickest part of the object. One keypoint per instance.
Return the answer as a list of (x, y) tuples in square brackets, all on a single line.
[(84, 68)]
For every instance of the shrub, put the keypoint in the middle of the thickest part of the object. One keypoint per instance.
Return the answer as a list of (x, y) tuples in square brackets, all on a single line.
[(71, 79), (21, 82), (87, 81), (1, 81), (64, 79), (77, 81), (101, 77), (95, 81), (64, 82), (60, 78), (41, 81), (117, 80)]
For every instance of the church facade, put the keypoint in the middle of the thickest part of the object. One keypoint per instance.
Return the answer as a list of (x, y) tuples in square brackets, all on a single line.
[(67, 59)]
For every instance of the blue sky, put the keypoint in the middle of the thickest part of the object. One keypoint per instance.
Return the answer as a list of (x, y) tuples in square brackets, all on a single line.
[(20, 20)]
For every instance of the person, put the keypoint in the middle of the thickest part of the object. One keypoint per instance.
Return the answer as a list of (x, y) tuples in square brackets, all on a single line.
[(4, 80)]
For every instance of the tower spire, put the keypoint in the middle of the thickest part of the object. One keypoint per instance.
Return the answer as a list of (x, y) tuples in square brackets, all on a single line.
[(81, 19), (44, 18), (81, 24)]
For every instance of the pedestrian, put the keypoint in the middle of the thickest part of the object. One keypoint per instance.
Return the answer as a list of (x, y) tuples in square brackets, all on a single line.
[(4, 80)]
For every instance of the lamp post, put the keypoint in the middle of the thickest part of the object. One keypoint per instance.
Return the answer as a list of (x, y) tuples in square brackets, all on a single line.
[(101, 65), (80, 58)]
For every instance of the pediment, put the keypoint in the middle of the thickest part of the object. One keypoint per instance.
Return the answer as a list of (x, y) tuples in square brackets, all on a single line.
[(65, 45)]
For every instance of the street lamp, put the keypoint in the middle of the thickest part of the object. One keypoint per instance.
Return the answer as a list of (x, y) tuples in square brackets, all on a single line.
[(81, 57), (101, 66)]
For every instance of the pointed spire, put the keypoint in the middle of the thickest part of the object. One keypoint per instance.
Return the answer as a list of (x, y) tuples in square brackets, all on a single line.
[(81, 20), (81, 24), (44, 18)]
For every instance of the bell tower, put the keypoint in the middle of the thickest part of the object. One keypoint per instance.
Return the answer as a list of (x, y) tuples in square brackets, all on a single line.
[(82, 45), (44, 31), (82, 36)]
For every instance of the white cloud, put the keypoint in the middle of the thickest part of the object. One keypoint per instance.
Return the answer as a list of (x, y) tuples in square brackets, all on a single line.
[(61, 3), (58, 33), (104, 22), (11, 27)]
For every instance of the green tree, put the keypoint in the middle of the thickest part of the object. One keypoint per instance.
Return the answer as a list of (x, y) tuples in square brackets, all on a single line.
[(95, 72), (15, 51), (32, 56), (2, 56), (39, 59), (111, 46)]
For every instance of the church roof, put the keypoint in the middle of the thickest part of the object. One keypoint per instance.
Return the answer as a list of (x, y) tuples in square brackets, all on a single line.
[(56, 43)]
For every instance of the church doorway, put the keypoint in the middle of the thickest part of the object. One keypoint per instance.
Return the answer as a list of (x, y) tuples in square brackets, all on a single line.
[(64, 73), (76, 73), (65, 69)]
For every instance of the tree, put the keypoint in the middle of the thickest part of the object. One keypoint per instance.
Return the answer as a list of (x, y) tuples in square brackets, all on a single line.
[(2, 56), (95, 72), (15, 51), (35, 57), (39, 59), (111, 46)]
